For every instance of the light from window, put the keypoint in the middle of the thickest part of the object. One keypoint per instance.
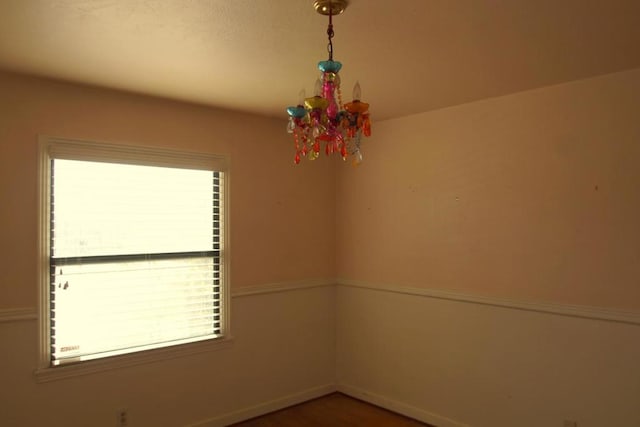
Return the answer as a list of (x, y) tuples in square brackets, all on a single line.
[(135, 257)]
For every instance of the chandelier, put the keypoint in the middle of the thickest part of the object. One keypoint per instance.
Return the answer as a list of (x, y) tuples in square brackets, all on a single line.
[(323, 119)]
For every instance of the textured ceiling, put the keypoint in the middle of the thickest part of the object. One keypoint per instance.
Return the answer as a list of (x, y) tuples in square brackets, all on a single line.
[(255, 55)]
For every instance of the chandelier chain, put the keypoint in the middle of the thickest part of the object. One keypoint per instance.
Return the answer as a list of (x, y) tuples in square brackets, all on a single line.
[(330, 33)]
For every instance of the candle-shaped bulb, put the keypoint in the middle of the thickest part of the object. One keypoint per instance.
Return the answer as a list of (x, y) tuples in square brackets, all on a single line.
[(301, 96), (317, 90), (357, 92)]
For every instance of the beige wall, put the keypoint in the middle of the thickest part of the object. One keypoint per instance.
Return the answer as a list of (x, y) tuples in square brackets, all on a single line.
[(532, 196), (279, 234), (526, 205)]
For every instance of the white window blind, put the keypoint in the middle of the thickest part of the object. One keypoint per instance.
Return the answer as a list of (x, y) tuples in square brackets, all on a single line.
[(135, 257)]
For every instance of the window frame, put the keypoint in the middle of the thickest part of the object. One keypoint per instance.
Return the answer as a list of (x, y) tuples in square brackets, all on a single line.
[(62, 148)]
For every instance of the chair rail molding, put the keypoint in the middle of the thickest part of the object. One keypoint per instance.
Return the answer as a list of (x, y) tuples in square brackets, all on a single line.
[(17, 314), (581, 311)]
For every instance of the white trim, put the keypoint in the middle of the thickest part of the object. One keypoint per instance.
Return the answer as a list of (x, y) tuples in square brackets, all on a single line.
[(281, 287), (581, 311), (399, 407), (42, 265), (47, 374), (74, 149), (17, 314), (266, 407), (53, 147)]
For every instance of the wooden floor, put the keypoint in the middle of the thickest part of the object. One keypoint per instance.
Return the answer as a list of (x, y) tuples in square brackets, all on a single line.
[(334, 409)]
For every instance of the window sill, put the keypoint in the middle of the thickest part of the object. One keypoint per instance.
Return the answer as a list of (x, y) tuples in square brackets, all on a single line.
[(49, 373)]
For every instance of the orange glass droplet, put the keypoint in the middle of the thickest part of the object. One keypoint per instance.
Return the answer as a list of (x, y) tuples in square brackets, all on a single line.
[(367, 127)]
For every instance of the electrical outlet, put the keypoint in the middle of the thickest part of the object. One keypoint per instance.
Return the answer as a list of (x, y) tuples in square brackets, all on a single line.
[(570, 423), (122, 419)]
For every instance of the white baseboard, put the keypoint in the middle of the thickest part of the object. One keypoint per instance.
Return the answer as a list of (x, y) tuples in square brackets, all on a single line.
[(266, 407), (399, 407), (313, 393)]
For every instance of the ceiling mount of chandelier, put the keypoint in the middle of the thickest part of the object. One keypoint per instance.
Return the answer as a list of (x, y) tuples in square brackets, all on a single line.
[(323, 119), (330, 7)]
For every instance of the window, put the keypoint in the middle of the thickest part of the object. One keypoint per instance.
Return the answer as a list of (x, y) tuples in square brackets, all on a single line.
[(133, 247)]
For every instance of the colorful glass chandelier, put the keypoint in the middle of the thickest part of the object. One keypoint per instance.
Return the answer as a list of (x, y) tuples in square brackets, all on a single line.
[(323, 120)]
